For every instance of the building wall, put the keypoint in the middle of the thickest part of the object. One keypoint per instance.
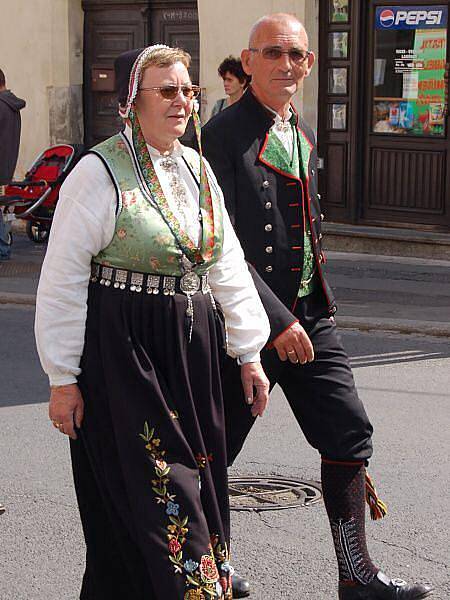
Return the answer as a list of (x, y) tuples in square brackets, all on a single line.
[(41, 55), (224, 29)]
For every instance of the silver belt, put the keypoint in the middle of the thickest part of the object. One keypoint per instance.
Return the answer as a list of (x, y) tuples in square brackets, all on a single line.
[(188, 284)]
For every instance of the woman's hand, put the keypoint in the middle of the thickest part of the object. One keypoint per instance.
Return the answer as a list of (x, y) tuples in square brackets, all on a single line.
[(253, 376), (66, 408)]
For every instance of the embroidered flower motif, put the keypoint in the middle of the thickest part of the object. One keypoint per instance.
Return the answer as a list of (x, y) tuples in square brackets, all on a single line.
[(202, 580), (196, 594), (174, 546), (208, 569), (122, 233), (154, 263), (172, 509), (129, 198), (202, 461), (190, 565)]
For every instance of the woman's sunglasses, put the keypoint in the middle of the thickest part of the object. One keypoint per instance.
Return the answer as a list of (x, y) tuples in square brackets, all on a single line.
[(170, 92)]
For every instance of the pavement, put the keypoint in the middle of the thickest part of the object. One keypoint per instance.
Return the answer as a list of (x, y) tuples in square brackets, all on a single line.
[(406, 295), (286, 554)]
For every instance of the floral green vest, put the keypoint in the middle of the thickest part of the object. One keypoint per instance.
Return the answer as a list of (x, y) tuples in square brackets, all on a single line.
[(279, 156), (143, 241)]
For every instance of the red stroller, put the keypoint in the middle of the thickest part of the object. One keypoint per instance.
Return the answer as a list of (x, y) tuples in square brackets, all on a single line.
[(34, 199)]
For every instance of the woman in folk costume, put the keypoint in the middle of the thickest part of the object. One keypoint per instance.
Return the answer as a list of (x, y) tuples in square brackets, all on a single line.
[(141, 267)]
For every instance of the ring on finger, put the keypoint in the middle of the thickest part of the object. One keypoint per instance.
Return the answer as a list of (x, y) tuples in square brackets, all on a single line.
[(292, 352)]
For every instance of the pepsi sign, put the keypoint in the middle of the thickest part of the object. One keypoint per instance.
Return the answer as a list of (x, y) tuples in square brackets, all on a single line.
[(411, 17)]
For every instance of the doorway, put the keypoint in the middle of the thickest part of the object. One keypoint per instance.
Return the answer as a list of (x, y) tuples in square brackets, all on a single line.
[(383, 130), (112, 27)]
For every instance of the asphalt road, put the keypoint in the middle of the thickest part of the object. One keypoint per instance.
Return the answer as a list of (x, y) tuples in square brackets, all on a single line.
[(287, 554)]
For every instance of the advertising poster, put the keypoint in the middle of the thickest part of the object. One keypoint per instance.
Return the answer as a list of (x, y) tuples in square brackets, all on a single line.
[(410, 99)]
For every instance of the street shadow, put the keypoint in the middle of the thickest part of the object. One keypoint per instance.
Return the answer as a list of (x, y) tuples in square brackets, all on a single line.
[(22, 380), (382, 349)]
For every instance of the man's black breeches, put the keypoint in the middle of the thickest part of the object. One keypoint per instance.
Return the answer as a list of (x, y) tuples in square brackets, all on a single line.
[(322, 394)]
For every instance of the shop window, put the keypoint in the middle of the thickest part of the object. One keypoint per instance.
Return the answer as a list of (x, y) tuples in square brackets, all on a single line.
[(409, 75)]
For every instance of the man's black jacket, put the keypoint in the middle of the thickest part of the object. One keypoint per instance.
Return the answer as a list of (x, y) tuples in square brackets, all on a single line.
[(267, 205)]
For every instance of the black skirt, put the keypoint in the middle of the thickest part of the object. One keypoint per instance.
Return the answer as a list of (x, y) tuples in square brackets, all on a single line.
[(150, 461)]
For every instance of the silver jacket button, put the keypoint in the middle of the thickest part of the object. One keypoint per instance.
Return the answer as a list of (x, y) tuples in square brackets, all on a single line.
[(268, 227), (322, 216), (265, 184), (269, 269), (269, 249), (313, 172), (268, 205)]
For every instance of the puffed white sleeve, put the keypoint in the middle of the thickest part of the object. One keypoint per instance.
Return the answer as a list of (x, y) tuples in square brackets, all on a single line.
[(83, 224), (232, 285)]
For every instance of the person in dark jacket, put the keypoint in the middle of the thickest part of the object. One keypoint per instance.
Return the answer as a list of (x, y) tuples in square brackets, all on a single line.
[(10, 123), (264, 157)]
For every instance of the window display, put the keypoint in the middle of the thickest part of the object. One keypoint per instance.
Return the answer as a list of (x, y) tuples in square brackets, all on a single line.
[(337, 80), (337, 116), (339, 11), (409, 80), (338, 44)]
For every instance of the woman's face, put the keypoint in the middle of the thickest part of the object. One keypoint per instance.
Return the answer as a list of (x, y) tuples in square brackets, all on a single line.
[(231, 84), (163, 120)]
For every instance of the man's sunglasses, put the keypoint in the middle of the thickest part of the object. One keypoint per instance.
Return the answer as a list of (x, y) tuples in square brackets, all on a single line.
[(170, 92), (274, 53)]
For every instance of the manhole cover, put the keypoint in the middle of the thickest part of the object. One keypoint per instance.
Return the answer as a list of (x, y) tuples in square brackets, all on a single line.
[(271, 493), (19, 269)]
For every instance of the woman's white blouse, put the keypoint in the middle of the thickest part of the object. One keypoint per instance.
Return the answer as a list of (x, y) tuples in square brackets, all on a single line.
[(84, 224)]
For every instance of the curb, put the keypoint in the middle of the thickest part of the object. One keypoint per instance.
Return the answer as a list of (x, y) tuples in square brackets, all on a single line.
[(16, 298), (428, 328)]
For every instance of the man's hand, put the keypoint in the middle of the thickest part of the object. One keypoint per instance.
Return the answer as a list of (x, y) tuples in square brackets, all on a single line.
[(66, 408), (295, 345), (253, 376)]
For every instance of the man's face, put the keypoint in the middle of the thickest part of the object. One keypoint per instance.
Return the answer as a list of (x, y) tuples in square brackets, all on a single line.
[(276, 81)]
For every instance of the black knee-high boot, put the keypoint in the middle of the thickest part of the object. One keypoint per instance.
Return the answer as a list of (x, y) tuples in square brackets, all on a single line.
[(343, 487), (344, 491)]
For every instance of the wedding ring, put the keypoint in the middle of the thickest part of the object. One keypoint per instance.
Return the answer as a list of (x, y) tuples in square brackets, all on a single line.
[(291, 352)]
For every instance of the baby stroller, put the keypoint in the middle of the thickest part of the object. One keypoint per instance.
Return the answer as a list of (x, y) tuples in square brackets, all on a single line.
[(34, 199)]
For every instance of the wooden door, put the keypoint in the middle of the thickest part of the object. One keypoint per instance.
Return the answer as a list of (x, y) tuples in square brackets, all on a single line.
[(110, 28), (115, 26), (339, 107), (406, 136)]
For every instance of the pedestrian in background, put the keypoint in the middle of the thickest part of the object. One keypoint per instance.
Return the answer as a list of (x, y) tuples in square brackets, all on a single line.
[(10, 124), (235, 82)]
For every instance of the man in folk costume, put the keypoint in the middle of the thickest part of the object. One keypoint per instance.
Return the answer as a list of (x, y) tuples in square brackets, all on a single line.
[(130, 335), (264, 157)]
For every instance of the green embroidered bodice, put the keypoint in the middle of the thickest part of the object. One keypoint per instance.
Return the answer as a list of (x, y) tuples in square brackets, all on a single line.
[(144, 241), (277, 154)]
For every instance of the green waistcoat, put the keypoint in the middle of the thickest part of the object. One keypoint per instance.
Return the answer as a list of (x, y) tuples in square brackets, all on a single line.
[(142, 240), (277, 154)]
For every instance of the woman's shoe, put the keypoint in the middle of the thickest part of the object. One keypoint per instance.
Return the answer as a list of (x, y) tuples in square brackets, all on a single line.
[(383, 588)]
